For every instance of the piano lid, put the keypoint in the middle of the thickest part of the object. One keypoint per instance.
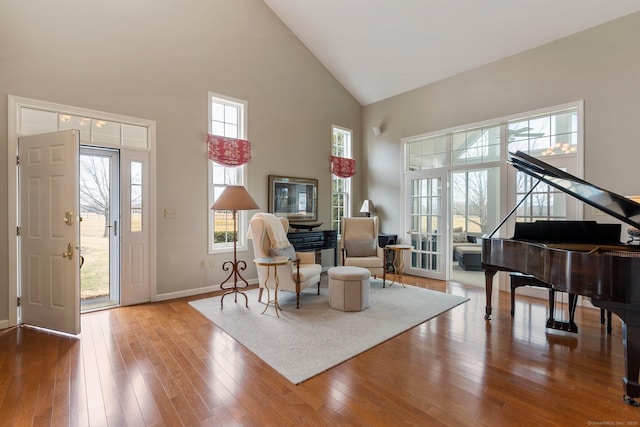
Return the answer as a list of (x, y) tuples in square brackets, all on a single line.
[(620, 207)]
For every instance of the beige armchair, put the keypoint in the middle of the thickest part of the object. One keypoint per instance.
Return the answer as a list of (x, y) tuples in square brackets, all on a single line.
[(359, 245), (293, 277)]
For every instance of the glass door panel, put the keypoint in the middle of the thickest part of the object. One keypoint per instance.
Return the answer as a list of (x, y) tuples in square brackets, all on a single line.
[(99, 210), (474, 213)]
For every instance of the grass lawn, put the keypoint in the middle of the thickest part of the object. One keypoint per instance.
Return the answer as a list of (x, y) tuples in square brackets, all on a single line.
[(94, 274)]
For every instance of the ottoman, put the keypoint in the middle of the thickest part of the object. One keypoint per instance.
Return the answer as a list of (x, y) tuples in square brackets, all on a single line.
[(469, 257), (348, 288)]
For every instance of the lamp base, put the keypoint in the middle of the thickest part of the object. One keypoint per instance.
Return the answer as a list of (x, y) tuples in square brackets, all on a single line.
[(232, 288)]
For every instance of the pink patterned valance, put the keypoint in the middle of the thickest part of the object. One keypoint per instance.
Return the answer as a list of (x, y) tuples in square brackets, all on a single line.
[(228, 151), (343, 167)]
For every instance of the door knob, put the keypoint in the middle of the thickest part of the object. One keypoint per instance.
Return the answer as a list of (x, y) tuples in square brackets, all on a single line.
[(69, 253)]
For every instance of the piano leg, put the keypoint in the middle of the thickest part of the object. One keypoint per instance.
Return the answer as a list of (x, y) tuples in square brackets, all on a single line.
[(631, 343), (573, 301), (488, 283)]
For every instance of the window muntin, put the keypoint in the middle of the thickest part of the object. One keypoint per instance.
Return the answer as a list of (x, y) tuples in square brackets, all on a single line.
[(426, 153), (545, 135), (341, 146), (228, 119), (136, 196), (473, 146), (544, 203)]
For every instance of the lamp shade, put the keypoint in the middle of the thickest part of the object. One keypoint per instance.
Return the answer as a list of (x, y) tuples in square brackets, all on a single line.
[(234, 198), (367, 207)]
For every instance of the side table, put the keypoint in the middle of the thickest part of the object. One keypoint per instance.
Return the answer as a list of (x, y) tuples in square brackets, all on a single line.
[(272, 262), (398, 261)]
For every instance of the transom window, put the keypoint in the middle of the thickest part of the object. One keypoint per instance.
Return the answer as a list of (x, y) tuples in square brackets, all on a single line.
[(92, 129), (228, 119), (480, 145), (545, 135)]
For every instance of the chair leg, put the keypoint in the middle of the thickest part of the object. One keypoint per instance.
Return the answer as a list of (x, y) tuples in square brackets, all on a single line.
[(260, 294), (318, 287), (384, 276), (297, 299)]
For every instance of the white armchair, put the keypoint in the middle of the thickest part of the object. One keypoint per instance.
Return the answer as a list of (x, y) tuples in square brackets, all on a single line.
[(359, 245), (293, 277)]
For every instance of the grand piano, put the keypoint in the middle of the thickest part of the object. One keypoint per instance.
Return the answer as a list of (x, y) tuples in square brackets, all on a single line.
[(581, 258)]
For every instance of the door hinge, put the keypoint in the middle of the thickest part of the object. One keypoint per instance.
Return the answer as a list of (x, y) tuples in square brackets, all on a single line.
[(17, 231), (17, 160), (18, 301)]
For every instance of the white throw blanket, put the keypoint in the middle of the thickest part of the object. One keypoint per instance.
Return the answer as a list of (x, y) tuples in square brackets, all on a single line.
[(276, 232)]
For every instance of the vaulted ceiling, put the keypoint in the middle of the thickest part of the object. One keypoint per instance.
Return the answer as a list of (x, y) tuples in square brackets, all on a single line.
[(380, 48)]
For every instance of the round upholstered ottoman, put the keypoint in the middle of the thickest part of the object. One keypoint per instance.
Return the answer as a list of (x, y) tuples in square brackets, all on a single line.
[(348, 288)]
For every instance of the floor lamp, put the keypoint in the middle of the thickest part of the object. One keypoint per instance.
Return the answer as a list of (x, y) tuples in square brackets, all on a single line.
[(234, 198)]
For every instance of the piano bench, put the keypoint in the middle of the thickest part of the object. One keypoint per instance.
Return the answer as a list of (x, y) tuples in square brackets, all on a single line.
[(519, 279)]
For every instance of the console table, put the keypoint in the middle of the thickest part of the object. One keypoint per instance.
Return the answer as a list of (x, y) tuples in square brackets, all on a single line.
[(315, 241)]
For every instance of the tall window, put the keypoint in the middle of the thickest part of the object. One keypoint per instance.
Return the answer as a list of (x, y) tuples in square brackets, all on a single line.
[(227, 118), (548, 135), (340, 187)]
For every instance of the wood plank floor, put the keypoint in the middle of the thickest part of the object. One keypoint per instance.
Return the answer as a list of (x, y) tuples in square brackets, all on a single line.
[(164, 364)]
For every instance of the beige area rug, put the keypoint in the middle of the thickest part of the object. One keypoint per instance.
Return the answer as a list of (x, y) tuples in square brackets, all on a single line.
[(305, 342)]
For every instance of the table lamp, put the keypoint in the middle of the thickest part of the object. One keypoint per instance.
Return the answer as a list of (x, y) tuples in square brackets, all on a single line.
[(367, 207), (234, 198)]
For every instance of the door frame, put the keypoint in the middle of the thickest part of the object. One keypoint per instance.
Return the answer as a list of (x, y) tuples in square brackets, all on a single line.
[(16, 102)]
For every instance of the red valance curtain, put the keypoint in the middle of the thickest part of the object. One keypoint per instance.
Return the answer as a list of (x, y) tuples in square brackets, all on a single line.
[(343, 167), (228, 151)]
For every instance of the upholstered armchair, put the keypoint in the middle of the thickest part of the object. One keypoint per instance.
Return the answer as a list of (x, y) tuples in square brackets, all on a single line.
[(359, 245), (294, 277)]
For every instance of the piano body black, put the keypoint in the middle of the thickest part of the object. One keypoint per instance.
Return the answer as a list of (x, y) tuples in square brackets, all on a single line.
[(583, 258)]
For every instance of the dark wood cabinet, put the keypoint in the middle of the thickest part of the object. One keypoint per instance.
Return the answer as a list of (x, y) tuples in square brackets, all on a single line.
[(312, 241)]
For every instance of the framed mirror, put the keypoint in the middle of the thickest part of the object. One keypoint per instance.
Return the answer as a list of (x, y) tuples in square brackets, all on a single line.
[(294, 198)]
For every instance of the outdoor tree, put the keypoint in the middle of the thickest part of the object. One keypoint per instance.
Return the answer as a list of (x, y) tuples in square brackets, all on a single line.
[(94, 187), (470, 197)]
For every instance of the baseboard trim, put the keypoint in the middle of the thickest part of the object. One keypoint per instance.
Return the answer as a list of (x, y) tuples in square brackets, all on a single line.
[(192, 292), (4, 324)]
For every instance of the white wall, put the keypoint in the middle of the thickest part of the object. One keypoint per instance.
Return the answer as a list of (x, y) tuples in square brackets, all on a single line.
[(600, 65), (157, 60)]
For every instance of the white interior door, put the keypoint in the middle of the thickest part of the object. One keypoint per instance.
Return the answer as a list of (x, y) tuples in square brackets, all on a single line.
[(49, 231), (427, 222)]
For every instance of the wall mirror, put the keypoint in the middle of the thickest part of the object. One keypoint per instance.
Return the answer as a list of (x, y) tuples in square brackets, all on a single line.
[(294, 198)]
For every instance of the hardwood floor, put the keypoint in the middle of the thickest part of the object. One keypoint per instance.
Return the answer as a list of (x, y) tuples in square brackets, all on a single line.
[(164, 364)]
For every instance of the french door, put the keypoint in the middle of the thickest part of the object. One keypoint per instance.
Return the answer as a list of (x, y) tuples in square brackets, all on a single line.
[(426, 223)]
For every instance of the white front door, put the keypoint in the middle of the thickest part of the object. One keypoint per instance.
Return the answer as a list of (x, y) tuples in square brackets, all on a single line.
[(49, 231)]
